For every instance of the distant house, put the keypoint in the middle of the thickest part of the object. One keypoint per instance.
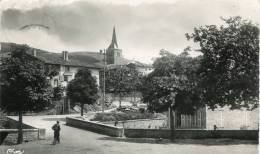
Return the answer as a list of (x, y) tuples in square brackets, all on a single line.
[(68, 63), (65, 63), (144, 69)]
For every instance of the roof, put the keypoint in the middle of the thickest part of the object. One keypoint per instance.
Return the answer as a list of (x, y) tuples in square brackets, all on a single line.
[(130, 63), (113, 44), (81, 59), (78, 58), (139, 64)]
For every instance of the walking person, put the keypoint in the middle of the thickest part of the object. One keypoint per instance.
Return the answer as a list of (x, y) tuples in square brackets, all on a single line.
[(56, 129)]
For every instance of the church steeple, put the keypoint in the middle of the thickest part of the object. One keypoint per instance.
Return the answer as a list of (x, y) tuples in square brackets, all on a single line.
[(113, 52), (113, 44)]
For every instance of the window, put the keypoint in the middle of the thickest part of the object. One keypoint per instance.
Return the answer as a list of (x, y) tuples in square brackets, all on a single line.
[(67, 68), (66, 78), (56, 83)]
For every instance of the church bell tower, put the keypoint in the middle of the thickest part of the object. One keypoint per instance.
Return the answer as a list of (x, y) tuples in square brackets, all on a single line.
[(113, 52)]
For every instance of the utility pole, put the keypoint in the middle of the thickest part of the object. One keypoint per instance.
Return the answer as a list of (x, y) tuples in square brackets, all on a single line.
[(172, 116), (104, 82)]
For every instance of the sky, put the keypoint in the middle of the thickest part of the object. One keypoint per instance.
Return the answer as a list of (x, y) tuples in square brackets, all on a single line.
[(143, 27)]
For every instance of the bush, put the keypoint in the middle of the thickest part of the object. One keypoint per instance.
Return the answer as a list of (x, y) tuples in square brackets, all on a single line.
[(122, 116)]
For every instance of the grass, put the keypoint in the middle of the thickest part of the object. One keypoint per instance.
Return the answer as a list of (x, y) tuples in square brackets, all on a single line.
[(122, 116)]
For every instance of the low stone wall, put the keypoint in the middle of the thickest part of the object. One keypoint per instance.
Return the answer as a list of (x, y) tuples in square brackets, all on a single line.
[(191, 134), (95, 127), (141, 123), (227, 119), (12, 123), (30, 132)]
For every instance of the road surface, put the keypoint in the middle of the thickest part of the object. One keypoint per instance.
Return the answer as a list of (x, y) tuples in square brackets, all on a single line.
[(77, 141)]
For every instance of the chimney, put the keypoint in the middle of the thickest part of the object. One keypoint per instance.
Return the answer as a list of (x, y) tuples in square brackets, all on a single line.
[(34, 52), (65, 55)]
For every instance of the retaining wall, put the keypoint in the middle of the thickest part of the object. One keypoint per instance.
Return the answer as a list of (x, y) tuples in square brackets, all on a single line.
[(160, 133), (95, 127), (29, 131), (140, 123), (12, 123), (191, 134)]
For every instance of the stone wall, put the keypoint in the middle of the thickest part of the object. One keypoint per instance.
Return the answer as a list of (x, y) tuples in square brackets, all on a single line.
[(38, 133), (130, 97), (191, 134), (141, 123), (12, 123), (227, 119), (160, 133), (95, 127)]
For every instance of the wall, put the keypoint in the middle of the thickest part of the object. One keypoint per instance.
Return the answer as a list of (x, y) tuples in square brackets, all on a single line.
[(223, 118), (161, 133), (12, 123), (95, 127), (141, 123), (130, 97), (227, 119), (30, 133), (145, 70), (72, 72), (191, 134)]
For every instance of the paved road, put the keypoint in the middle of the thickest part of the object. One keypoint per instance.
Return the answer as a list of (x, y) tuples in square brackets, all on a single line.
[(77, 141)]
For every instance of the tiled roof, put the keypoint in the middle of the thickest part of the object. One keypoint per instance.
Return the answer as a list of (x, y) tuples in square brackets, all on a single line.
[(81, 59)]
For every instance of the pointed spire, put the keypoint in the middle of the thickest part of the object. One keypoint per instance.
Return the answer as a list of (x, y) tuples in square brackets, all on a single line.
[(113, 44)]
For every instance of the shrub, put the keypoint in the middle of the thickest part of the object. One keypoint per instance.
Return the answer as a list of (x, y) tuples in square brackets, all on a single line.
[(122, 116)]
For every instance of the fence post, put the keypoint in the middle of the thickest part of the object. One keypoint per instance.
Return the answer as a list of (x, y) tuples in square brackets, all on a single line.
[(38, 130)]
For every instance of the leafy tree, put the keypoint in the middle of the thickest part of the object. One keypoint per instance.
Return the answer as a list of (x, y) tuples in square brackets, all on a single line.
[(25, 87), (58, 93), (121, 81), (51, 70), (83, 88), (172, 85), (229, 69)]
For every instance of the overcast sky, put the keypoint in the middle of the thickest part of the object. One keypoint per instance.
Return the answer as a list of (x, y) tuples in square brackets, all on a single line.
[(143, 26)]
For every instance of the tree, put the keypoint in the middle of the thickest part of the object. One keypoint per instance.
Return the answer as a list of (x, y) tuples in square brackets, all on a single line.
[(25, 86), (173, 82), (229, 69), (58, 93), (172, 85), (83, 88), (121, 81)]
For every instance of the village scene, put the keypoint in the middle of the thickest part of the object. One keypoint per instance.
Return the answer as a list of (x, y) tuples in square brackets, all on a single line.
[(134, 76)]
